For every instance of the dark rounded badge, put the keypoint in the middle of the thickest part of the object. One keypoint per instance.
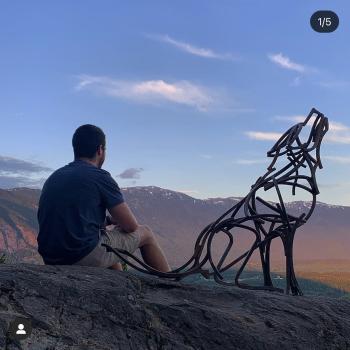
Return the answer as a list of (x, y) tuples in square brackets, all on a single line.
[(20, 328), (324, 21)]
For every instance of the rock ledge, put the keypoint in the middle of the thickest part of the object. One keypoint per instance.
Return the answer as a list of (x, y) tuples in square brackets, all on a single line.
[(74, 307)]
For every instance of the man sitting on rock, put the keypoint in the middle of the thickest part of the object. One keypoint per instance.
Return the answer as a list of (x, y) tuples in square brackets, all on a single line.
[(72, 212)]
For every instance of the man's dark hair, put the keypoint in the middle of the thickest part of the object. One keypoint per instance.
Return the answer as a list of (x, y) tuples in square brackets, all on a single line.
[(86, 140)]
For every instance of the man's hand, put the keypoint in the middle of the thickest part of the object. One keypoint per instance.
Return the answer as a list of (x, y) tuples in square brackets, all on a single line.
[(119, 228)]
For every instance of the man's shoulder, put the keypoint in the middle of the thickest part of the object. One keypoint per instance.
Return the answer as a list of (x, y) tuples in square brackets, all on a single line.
[(105, 172), (73, 170)]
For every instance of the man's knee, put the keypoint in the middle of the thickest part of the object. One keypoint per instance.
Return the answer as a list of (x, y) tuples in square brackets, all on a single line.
[(147, 235)]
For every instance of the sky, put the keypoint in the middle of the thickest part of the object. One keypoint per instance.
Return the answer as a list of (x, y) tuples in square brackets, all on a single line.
[(190, 94)]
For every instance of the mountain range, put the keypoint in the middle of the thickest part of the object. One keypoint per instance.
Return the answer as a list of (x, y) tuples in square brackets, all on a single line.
[(177, 219)]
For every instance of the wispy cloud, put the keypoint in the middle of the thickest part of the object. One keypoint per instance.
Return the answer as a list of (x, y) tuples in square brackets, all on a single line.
[(9, 165), (130, 173), (338, 132), (149, 91), (337, 137), (192, 49), (286, 63), (206, 156), (20, 181), (250, 161), (338, 159), (291, 118), (333, 126), (263, 136), (21, 173), (296, 81)]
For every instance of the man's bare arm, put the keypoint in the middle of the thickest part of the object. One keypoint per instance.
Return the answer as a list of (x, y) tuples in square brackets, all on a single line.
[(123, 217)]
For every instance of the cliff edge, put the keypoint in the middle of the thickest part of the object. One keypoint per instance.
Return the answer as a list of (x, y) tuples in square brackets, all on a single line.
[(80, 308)]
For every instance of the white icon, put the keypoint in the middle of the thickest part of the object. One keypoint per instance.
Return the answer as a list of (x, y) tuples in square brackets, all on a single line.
[(21, 329)]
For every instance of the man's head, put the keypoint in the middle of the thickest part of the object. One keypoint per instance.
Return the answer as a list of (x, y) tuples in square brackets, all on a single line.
[(89, 143)]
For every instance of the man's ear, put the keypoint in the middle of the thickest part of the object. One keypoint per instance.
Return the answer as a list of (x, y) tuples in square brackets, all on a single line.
[(99, 150)]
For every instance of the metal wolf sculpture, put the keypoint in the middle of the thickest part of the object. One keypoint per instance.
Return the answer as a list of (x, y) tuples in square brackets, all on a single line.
[(264, 220)]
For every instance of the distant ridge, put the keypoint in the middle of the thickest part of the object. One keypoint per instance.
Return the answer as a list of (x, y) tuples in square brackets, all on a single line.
[(177, 219)]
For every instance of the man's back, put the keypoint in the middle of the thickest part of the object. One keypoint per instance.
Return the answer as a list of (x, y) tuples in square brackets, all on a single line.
[(72, 209)]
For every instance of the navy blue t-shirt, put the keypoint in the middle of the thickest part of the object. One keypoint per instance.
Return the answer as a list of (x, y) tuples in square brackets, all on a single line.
[(72, 209)]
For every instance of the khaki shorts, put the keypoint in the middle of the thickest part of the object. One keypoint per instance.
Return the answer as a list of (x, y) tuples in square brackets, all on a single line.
[(101, 258)]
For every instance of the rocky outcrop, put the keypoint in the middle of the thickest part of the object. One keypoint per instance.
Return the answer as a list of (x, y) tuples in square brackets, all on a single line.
[(73, 308)]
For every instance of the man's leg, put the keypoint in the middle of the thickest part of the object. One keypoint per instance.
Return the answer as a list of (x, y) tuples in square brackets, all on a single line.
[(151, 251)]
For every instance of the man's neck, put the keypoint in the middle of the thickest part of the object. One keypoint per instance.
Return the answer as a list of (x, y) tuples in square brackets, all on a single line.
[(87, 160)]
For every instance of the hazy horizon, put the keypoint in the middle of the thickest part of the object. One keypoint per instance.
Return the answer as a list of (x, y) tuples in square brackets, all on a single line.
[(188, 194)]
